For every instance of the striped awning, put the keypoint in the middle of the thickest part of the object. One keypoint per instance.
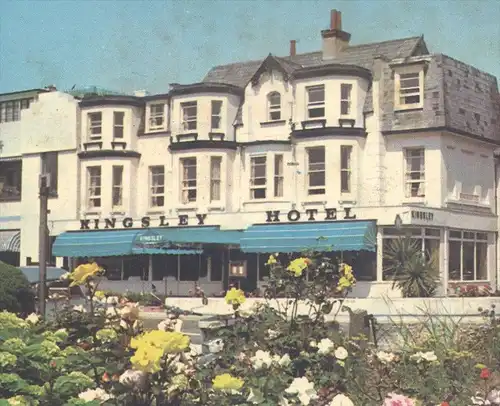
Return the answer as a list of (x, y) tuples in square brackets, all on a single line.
[(10, 240)]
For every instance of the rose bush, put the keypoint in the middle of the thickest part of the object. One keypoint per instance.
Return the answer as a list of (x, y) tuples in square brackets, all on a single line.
[(271, 354)]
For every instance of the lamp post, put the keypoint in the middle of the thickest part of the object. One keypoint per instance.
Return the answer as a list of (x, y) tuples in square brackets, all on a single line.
[(43, 185)]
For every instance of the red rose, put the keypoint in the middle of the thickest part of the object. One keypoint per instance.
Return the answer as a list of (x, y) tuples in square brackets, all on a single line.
[(105, 377), (52, 364), (445, 404), (485, 373)]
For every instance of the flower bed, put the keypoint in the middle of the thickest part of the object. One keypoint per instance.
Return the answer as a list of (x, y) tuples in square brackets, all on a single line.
[(270, 355)]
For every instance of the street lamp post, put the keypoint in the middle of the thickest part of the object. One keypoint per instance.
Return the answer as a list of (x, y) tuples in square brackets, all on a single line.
[(44, 185)]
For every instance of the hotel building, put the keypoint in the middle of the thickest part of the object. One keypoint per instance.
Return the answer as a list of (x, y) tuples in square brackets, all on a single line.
[(339, 150)]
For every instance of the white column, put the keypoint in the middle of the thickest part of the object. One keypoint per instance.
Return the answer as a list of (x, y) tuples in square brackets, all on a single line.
[(380, 254), (444, 263)]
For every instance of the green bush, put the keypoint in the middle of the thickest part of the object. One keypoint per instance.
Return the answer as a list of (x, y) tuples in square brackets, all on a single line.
[(16, 294)]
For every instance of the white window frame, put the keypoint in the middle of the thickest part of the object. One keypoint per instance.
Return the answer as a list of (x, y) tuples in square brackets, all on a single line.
[(463, 238), (401, 92), (346, 168), (315, 190), (279, 177), (216, 116), (156, 172), (92, 195), (346, 99), (156, 116), (94, 123), (408, 173), (187, 186), (254, 187), (315, 105), (425, 233), (274, 106), (215, 179), (117, 186), (118, 126), (189, 122)]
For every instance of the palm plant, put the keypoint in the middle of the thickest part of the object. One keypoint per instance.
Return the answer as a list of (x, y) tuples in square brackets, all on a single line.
[(409, 269)]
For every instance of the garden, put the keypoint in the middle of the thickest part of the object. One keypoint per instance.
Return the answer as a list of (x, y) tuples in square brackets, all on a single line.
[(269, 355)]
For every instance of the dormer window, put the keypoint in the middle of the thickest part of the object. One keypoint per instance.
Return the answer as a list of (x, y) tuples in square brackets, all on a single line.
[(95, 125), (274, 106), (316, 101), (157, 116), (189, 115), (216, 114), (409, 91), (345, 99)]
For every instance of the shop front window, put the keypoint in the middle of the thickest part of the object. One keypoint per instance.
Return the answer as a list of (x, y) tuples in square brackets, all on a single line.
[(468, 256), (428, 240)]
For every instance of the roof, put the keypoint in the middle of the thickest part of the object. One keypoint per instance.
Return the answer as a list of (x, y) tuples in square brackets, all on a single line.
[(239, 74)]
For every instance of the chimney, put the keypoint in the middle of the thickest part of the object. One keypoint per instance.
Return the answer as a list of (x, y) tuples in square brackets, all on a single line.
[(293, 47), (334, 39), (51, 88)]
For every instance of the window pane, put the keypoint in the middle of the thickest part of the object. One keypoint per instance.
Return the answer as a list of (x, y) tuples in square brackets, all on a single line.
[(316, 155), (454, 248), (274, 100), (345, 156), (455, 234), (216, 106), (316, 94), (317, 179), (316, 112), (433, 232), (431, 248), (481, 261), (468, 261), (345, 182)]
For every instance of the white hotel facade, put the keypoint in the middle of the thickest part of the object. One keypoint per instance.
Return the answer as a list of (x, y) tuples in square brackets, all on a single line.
[(321, 150)]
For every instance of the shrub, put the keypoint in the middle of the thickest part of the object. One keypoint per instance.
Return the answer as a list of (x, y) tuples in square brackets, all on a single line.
[(16, 294)]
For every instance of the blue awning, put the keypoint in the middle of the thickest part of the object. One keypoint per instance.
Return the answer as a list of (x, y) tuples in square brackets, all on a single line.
[(317, 236), (121, 242), (32, 273)]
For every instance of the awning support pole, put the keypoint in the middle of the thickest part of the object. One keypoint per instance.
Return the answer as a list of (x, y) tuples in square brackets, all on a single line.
[(150, 270)]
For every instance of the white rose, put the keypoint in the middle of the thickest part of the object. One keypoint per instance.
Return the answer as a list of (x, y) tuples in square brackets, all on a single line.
[(285, 360), (112, 300), (33, 318), (325, 346), (79, 308), (341, 353), (429, 356), (131, 379), (341, 400), (261, 359), (385, 357), (313, 344), (215, 346), (272, 334)]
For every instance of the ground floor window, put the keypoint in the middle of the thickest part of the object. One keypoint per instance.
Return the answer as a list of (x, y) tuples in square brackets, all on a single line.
[(468, 256), (426, 239)]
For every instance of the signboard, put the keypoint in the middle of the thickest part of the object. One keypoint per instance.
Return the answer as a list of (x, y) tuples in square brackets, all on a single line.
[(274, 216), (150, 239), (422, 215), (145, 222)]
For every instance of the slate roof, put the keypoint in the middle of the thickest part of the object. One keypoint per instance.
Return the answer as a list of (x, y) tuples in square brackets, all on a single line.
[(240, 73)]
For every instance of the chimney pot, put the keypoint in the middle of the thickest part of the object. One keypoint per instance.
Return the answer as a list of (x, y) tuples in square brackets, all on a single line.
[(333, 19), (293, 47), (338, 24)]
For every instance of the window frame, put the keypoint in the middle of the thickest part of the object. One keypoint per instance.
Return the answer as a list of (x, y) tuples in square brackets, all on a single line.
[(408, 181), (90, 195), (346, 169), (320, 188), (417, 72), (475, 240), (154, 194), (279, 176), (274, 107), (186, 195), (215, 182), (158, 114), (94, 124), (117, 186), (117, 128), (216, 116), (346, 100), (253, 187), (189, 123), (315, 105)]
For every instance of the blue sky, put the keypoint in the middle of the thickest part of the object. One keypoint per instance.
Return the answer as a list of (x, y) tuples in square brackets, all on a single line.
[(129, 45)]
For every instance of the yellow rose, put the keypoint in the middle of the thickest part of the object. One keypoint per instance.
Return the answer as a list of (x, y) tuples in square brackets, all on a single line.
[(226, 382), (235, 297), (298, 265), (83, 272)]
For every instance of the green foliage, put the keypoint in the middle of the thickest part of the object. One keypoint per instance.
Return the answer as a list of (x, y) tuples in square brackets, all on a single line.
[(16, 294), (411, 272)]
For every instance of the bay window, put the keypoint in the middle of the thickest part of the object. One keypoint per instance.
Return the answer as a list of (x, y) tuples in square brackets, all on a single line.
[(278, 175), (215, 178), (468, 256), (188, 180), (316, 102), (118, 122), (156, 186), (316, 171), (93, 187), (117, 192), (345, 99), (258, 181), (345, 168), (157, 116), (414, 172), (95, 125), (189, 115), (216, 114)]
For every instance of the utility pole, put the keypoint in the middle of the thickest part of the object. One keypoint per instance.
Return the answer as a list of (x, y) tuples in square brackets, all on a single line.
[(44, 185)]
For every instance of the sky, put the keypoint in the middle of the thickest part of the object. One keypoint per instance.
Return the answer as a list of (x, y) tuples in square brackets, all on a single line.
[(128, 45)]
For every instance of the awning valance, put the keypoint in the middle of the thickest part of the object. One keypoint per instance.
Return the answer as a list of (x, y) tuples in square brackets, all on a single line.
[(10, 240), (317, 236), (157, 241)]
